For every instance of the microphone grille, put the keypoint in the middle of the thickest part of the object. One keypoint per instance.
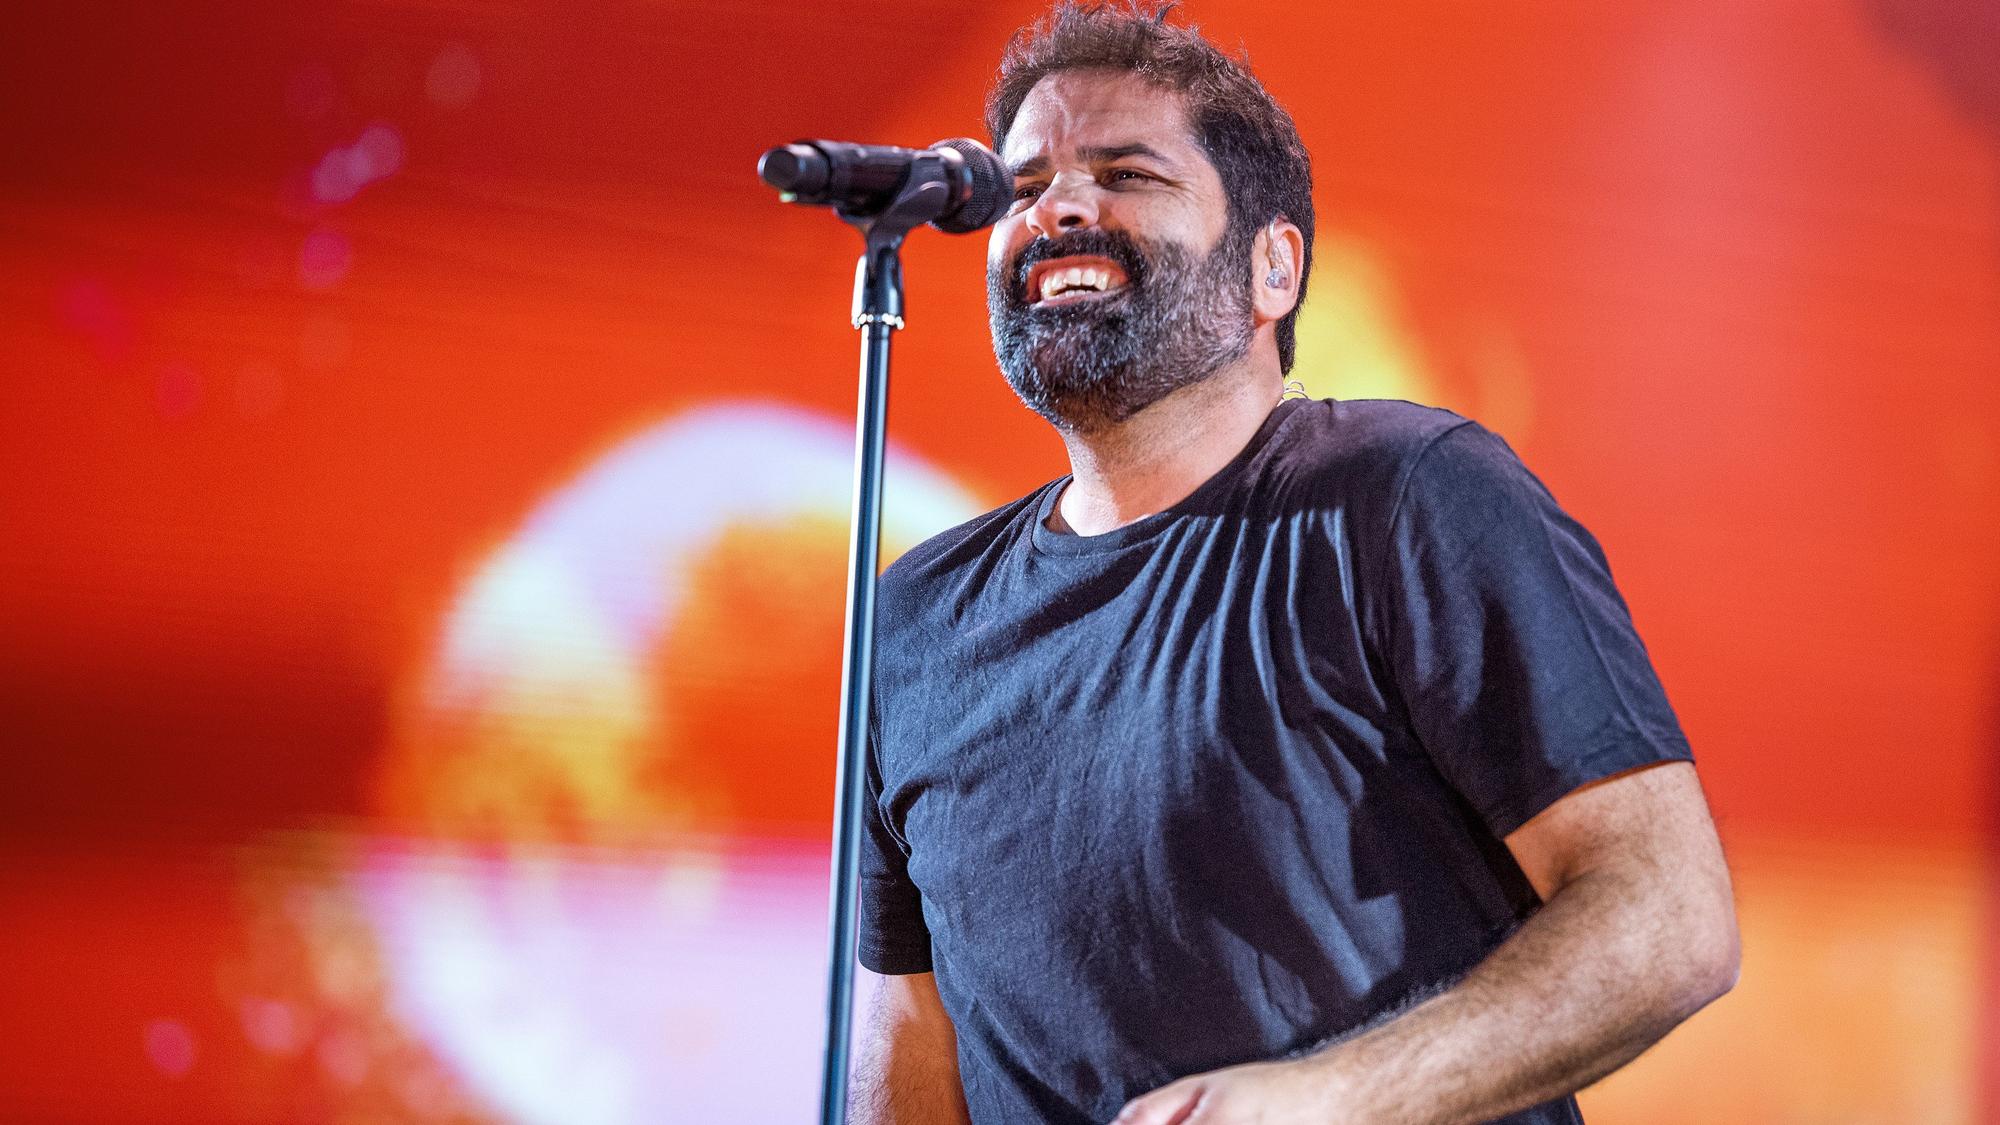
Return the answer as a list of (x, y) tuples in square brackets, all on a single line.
[(992, 188)]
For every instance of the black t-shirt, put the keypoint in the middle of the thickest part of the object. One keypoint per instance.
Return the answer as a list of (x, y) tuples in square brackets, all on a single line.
[(1230, 780)]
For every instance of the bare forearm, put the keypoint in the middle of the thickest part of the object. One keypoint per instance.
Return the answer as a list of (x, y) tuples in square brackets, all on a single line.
[(906, 1070), (1585, 985), (901, 1088), (893, 1095)]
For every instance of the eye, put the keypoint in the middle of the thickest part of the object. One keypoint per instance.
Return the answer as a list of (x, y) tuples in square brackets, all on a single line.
[(1026, 192), (1125, 175)]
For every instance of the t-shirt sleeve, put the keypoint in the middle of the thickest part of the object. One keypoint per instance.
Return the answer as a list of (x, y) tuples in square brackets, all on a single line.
[(1510, 646), (893, 939)]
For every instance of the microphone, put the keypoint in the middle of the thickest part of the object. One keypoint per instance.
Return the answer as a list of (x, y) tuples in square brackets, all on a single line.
[(859, 180)]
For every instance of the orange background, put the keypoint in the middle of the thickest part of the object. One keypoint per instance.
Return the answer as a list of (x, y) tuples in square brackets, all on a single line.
[(1728, 277)]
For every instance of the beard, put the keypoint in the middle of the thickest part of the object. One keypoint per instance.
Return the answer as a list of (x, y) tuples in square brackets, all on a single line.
[(1084, 366)]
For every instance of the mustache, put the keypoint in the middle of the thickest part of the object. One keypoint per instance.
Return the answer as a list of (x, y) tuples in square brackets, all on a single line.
[(1117, 246)]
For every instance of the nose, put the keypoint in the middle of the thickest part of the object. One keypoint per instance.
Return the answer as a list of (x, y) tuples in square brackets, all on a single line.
[(1064, 205)]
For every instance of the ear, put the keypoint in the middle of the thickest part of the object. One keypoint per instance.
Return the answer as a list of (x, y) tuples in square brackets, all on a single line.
[(1275, 257)]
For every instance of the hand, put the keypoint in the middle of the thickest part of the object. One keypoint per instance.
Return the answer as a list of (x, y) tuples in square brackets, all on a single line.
[(1301, 1092)]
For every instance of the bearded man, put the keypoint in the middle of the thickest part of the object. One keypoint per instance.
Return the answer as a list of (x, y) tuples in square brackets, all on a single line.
[(1288, 761)]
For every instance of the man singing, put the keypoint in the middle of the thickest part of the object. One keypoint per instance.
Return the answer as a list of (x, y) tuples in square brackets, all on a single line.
[(1288, 761)]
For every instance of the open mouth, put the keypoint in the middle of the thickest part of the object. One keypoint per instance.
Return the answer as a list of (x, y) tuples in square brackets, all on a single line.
[(1062, 281)]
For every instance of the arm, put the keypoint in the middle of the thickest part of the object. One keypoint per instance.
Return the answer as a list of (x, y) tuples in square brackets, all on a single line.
[(1638, 932), (906, 1068)]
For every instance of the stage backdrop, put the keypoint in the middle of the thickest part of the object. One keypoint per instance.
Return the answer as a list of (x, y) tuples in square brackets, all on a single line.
[(425, 470)]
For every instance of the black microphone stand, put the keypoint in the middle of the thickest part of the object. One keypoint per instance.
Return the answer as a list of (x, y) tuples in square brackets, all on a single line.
[(878, 312)]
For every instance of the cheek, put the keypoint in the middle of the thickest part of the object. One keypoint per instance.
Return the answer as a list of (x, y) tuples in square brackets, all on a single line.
[(1004, 241)]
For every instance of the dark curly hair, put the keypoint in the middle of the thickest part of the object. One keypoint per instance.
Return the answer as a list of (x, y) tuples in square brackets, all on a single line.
[(1265, 171)]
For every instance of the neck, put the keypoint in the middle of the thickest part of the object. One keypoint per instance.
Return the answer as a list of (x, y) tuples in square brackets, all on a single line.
[(1151, 461)]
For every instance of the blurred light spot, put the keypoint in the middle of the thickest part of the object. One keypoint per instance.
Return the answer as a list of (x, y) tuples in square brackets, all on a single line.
[(259, 390), (311, 92), (586, 937), (89, 308), (345, 170), (382, 147), (453, 78), (178, 390), (324, 259), (324, 342), (272, 1026), (170, 1047), (603, 565), (333, 179), (1352, 342)]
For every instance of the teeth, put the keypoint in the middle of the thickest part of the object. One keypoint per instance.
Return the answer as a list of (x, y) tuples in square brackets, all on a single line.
[(1075, 277)]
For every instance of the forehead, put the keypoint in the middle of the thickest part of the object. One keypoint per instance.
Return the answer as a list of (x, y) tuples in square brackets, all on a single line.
[(1075, 109)]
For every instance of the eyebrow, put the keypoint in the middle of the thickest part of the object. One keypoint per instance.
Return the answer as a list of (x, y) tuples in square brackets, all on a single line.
[(1095, 154)]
